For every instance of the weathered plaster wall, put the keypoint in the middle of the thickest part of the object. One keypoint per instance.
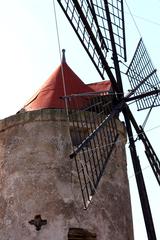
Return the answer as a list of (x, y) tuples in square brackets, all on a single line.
[(38, 177)]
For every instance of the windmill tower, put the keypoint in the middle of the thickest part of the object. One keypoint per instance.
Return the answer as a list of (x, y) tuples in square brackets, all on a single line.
[(40, 195)]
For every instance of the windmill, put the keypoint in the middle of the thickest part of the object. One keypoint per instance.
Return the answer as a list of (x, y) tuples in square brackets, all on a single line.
[(100, 27)]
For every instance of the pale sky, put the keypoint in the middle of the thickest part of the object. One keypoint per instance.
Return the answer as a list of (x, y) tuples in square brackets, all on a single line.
[(29, 53)]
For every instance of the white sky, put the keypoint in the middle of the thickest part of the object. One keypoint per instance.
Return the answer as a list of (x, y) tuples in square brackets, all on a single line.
[(29, 54)]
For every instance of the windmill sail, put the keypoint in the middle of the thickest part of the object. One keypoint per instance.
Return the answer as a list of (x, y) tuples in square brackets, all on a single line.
[(99, 26), (93, 133), (143, 77), (89, 20)]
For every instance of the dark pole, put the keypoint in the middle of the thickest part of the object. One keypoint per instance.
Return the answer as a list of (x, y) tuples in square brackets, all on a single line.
[(115, 56), (140, 181)]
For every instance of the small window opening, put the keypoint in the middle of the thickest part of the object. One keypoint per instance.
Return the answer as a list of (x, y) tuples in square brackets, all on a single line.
[(80, 234), (77, 136)]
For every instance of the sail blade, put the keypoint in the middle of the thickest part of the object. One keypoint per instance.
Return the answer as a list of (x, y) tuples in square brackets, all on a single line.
[(143, 78), (89, 21), (94, 133)]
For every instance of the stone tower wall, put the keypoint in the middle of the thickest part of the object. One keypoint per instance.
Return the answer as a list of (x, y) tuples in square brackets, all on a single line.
[(37, 177)]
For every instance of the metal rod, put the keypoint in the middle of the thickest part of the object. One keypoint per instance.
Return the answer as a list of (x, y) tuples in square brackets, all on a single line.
[(126, 99)]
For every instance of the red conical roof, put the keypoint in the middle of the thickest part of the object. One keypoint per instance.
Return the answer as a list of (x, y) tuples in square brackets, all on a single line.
[(63, 81), (49, 94)]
